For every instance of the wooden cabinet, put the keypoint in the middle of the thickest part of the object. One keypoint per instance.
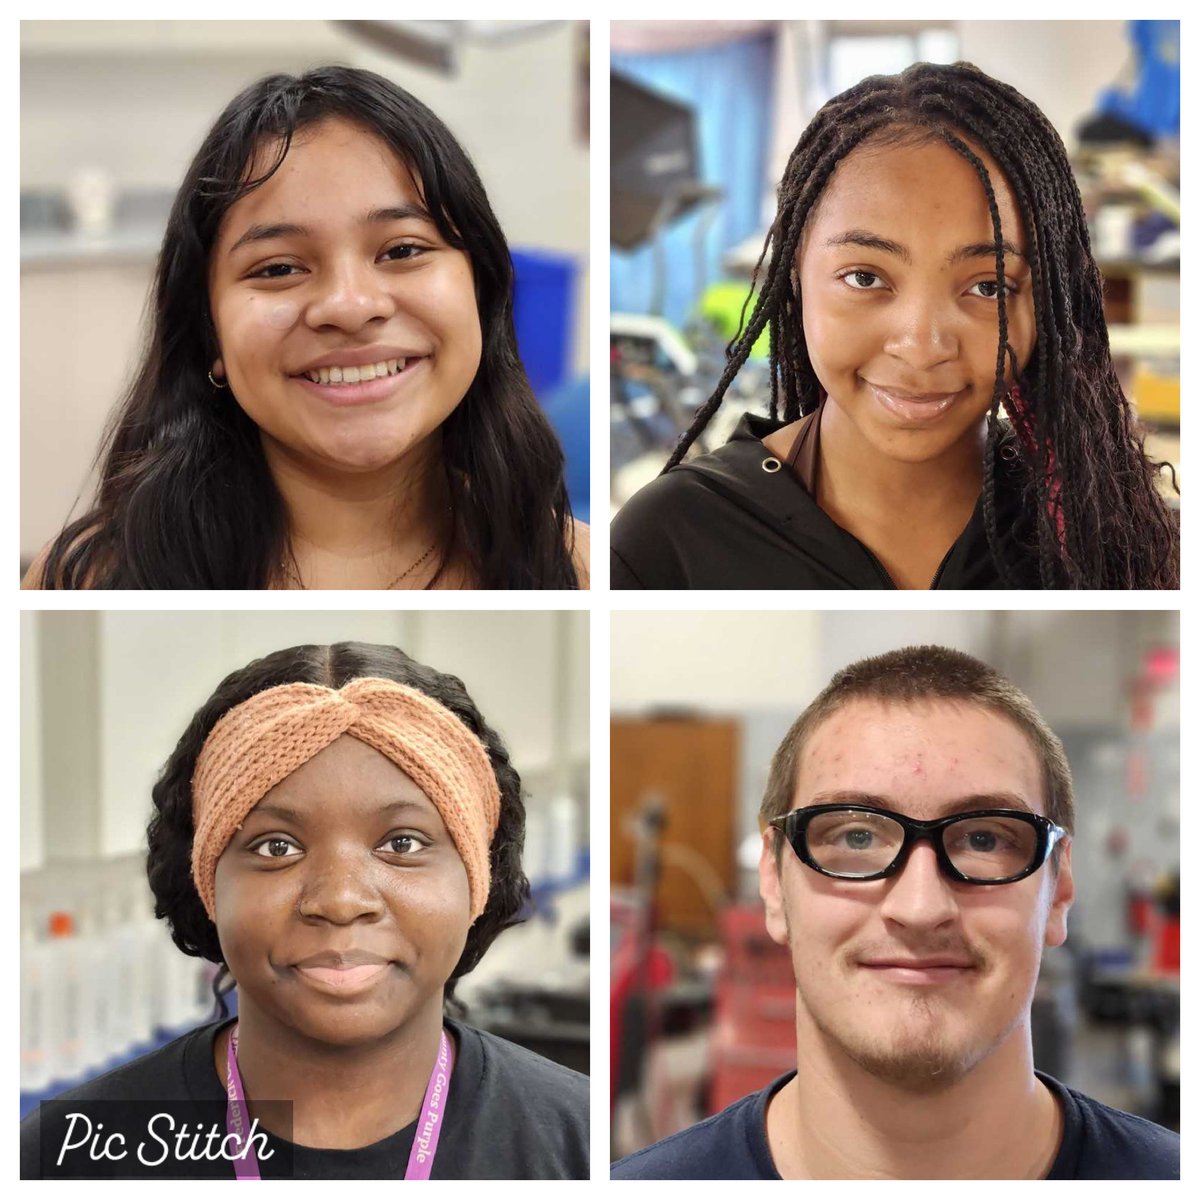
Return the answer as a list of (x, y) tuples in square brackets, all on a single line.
[(690, 766)]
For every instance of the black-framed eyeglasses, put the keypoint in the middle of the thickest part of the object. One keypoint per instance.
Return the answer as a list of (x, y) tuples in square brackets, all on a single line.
[(991, 845)]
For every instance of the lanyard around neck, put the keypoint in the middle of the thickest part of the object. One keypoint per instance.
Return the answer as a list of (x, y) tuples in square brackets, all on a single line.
[(425, 1139)]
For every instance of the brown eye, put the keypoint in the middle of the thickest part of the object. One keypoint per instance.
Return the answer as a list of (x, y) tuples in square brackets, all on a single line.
[(405, 844), (986, 289), (404, 252), (861, 281), (275, 847), (273, 271)]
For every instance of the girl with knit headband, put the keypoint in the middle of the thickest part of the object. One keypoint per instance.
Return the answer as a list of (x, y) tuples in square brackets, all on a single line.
[(341, 830)]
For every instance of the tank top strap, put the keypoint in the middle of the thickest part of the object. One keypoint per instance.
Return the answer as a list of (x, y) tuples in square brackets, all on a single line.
[(802, 457)]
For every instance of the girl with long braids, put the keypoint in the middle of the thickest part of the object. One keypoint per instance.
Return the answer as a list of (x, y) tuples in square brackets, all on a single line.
[(331, 394), (944, 409)]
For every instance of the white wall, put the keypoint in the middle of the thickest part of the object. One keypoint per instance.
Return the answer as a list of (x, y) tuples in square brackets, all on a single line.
[(848, 636), (1075, 666), (520, 654), (32, 840), (714, 661), (106, 695), (140, 108), (81, 331), (156, 668), (1060, 65)]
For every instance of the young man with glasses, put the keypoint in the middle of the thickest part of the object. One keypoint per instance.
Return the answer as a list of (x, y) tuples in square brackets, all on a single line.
[(916, 859)]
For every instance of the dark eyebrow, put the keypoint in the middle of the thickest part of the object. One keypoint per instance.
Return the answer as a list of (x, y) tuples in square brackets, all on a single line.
[(982, 250), (872, 241), (283, 229), (963, 804), (284, 812)]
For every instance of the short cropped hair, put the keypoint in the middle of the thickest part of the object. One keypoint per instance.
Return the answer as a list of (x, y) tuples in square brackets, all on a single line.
[(913, 675)]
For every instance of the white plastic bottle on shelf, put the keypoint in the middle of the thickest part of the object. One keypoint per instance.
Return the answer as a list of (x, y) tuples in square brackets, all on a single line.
[(35, 1045), (114, 1001), (65, 989), (563, 817), (205, 1001), (93, 988), (168, 968), (116, 967), (535, 855), (184, 986), (52, 999), (133, 977), (150, 934), (200, 970), (177, 973)]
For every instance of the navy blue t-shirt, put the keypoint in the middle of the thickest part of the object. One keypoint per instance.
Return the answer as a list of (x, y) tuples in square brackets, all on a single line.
[(1098, 1142)]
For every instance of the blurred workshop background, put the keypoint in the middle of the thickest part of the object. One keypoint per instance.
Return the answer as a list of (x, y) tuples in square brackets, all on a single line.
[(703, 1002), (704, 116), (111, 114), (105, 696)]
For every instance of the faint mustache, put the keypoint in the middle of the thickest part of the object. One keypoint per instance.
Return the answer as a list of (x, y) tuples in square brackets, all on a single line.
[(949, 952)]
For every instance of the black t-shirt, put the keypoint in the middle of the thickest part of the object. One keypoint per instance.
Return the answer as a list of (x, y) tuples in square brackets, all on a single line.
[(510, 1114), (1098, 1142), (723, 520)]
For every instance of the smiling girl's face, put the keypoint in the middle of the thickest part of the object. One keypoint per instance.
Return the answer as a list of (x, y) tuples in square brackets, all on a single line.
[(335, 263), (346, 856), (898, 278)]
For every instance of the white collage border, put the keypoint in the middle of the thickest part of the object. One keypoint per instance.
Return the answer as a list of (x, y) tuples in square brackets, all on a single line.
[(599, 601)]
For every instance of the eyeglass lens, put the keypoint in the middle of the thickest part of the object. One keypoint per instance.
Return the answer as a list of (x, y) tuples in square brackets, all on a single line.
[(853, 842)]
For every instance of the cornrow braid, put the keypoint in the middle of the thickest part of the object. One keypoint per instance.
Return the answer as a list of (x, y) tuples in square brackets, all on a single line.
[(1090, 511)]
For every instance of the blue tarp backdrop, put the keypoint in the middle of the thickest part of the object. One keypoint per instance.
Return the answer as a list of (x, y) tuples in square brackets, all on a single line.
[(730, 87)]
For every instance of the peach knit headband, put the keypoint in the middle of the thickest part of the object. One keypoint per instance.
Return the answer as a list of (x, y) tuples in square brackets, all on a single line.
[(264, 739)]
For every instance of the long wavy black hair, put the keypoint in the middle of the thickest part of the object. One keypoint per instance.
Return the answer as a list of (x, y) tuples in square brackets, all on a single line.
[(186, 499), (171, 831), (1091, 514)]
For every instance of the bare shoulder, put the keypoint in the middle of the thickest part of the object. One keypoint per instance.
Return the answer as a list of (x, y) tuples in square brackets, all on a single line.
[(35, 577), (581, 552)]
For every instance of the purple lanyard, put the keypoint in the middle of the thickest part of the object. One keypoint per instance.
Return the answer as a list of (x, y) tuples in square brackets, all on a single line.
[(425, 1139)]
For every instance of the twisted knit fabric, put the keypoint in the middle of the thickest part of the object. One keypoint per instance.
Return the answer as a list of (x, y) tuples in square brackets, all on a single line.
[(263, 740)]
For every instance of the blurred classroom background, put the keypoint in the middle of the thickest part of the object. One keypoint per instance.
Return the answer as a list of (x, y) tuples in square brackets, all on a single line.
[(703, 1002), (105, 696), (113, 111), (705, 115)]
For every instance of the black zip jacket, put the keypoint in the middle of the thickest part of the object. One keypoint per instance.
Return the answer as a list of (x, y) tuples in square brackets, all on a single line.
[(739, 518)]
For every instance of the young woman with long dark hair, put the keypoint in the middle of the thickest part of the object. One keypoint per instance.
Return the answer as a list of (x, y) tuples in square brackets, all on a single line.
[(331, 395), (944, 408), (341, 830)]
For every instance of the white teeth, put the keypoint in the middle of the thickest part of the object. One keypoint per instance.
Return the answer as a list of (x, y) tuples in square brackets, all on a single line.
[(391, 366)]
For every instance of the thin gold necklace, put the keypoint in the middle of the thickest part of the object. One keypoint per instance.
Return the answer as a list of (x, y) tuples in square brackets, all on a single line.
[(292, 571)]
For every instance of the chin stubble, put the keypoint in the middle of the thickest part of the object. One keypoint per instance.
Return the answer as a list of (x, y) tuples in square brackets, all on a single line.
[(912, 1053)]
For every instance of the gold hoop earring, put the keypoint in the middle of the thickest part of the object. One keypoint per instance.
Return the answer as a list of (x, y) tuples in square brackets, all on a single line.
[(220, 386)]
